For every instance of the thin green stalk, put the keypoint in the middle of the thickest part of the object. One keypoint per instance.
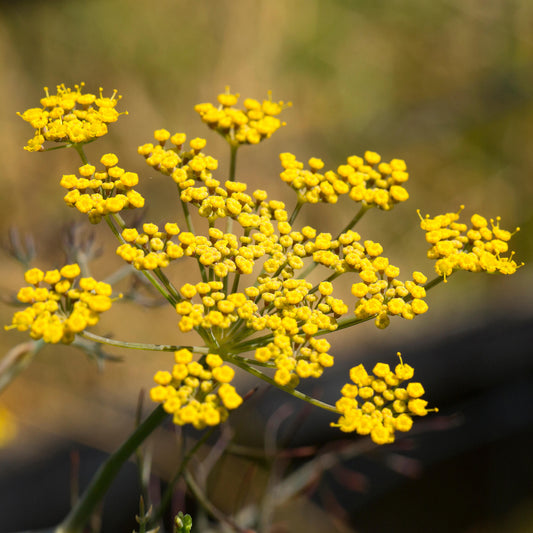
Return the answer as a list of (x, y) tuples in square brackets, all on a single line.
[(232, 171), (115, 231), (295, 212), (333, 276), (358, 216), (203, 500), (79, 516), (236, 280), (165, 499), (347, 322), (308, 270), (246, 360), (293, 392), (141, 346), (235, 329), (187, 214), (159, 287), (142, 474), (81, 153), (233, 161), (190, 227), (120, 222), (350, 225), (251, 344), (434, 282), (168, 285)]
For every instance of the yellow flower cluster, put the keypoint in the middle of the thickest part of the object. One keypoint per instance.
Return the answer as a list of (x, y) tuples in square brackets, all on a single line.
[(216, 312), (295, 315), (62, 309), (259, 233), (382, 295), (150, 249), (70, 116), (256, 122), (184, 166), (366, 180), (479, 248), (292, 312), (197, 393), (383, 407), (103, 192)]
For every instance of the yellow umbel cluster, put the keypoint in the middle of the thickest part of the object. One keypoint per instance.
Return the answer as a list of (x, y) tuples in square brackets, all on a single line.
[(100, 193), (254, 293), (216, 310), (364, 180), (376, 405), (184, 166), (382, 295), (63, 308), (197, 393), (251, 125), (70, 116), (479, 248)]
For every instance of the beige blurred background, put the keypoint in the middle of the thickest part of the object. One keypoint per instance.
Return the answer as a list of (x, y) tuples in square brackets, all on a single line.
[(445, 85)]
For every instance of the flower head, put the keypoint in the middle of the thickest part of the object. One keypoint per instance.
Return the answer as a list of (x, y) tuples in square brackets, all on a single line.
[(197, 393), (99, 193), (456, 246), (70, 116), (254, 294), (61, 304), (377, 405), (252, 124), (363, 179)]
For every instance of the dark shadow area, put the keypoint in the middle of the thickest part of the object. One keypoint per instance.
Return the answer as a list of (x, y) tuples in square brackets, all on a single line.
[(38, 495)]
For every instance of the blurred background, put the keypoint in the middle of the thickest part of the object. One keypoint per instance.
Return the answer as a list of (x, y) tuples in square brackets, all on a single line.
[(445, 85)]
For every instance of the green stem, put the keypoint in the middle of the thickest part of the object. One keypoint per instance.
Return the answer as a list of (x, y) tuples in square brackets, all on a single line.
[(187, 214), (293, 392), (358, 216), (81, 513), (120, 222), (81, 153), (347, 322), (350, 225), (246, 360), (190, 227), (434, 282), (165, 500), (236, 280), (233, 161), (295, 212), (168, 286), (151, 278), (113, 228), (232, 170), (141, 346), (330, 278), (203, 500)]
